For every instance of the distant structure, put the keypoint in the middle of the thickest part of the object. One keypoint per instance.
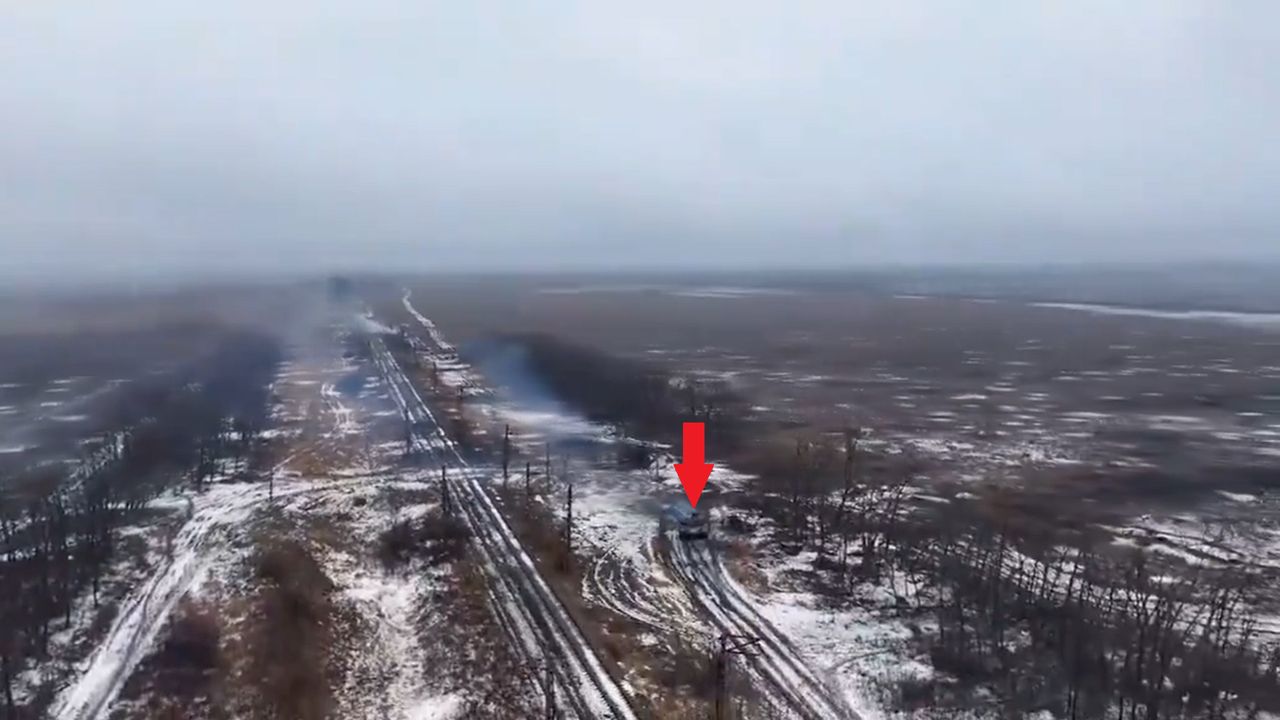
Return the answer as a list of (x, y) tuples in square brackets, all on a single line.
[(341, 289)]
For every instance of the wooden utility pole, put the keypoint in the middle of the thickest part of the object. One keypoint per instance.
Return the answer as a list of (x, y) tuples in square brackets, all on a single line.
[(527, 476), (568, 522), (6, 674), (446, 503), (730, 644), (506, 453), (549, 693)]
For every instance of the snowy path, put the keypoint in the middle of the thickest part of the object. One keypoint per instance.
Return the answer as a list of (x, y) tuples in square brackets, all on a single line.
[(387, 677), (144, 613), (615, 583), (427, 325), (526, 606), (778, 663)]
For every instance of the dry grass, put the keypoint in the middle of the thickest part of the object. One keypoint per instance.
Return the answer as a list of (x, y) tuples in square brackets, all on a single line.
[(185, 677), (469, 651), (432, 539), (742, 566), (290, 633), (670, 679)]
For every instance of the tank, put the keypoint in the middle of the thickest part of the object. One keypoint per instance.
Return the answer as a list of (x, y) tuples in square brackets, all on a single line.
[(689, 523)]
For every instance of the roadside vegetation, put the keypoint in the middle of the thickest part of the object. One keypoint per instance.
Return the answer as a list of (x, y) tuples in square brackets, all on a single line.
[(61, 524), (1024, 612)]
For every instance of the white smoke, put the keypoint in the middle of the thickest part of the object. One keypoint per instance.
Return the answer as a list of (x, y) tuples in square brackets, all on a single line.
[(371, 326)]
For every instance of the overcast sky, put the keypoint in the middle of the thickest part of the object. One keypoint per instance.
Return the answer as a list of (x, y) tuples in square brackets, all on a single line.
[(139, 136)]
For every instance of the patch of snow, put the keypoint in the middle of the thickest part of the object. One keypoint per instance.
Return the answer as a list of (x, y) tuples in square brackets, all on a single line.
[(851, 647), (726, 292), (147, 609), (440, 707), (1085, 415), (1238, 497), (1267, 321)]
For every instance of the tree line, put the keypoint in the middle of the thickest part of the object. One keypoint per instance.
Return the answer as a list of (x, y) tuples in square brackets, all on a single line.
[(59, 523), (1043, 619), (644, 402)]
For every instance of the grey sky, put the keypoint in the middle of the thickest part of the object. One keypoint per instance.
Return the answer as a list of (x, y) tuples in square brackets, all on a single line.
[(145, 135)]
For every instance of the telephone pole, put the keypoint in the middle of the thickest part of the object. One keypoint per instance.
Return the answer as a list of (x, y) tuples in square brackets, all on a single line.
[(446, 503), (549, 693), (567, 560), (730, 645), (568, 521), (506, 453), (527, 490)]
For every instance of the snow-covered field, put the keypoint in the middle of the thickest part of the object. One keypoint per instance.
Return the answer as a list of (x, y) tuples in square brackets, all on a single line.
[(388, 672), (142, 616), (533, 615), (1267, 321), (995, 393), (339, 483), (619, 514)]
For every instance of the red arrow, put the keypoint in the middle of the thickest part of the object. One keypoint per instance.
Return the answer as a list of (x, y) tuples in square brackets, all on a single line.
[(694, 471)]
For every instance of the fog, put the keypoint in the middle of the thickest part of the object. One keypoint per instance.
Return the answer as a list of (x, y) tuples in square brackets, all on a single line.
[(147, 138)]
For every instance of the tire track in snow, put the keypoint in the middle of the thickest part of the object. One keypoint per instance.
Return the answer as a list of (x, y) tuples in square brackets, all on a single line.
[(147, 608), (427, 325), (615, 583), (779, 664), (778, 661), (526, 605)]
